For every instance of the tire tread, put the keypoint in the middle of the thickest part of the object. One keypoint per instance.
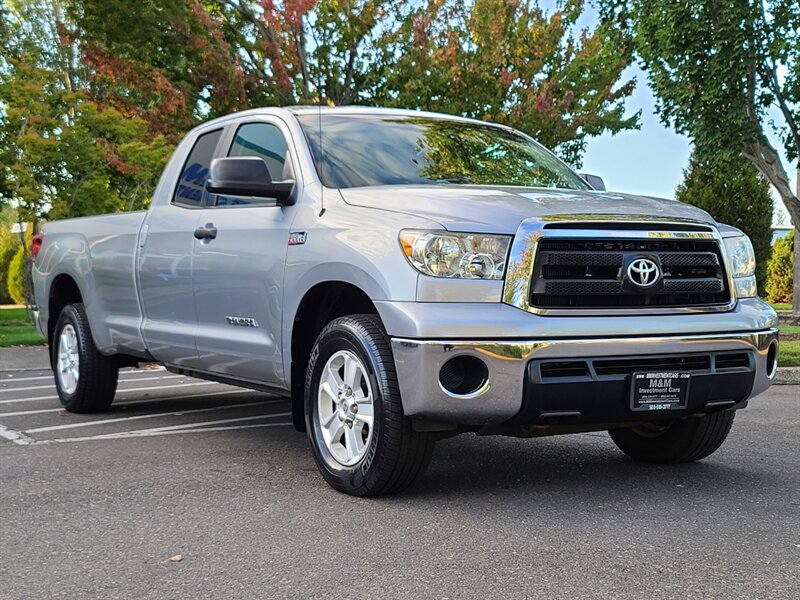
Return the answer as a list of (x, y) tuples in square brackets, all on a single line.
[(404, 452), (685, 441), (97, 382)]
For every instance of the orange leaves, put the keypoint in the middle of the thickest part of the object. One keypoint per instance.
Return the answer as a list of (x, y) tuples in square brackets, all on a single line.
[(127, 84)]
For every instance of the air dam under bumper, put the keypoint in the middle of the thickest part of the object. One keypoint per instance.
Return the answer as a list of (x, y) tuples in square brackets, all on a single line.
[(509, 384)]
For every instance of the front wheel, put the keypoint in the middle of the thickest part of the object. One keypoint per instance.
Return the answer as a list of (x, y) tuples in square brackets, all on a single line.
[(683, 440), (85, 379), (363, 443)]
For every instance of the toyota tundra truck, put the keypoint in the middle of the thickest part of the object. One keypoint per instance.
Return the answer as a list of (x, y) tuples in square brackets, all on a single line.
[(406, 276)]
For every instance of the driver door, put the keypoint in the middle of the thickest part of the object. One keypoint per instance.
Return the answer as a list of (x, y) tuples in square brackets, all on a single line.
[(238, 275)]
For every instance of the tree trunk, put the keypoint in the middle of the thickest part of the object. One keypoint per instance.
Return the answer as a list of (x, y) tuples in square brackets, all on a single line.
[(765, 158), (796, 270), (796, 283)]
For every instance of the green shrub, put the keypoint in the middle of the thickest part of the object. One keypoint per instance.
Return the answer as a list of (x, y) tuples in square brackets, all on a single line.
[(779, 270), (9, 244), (16, 277)]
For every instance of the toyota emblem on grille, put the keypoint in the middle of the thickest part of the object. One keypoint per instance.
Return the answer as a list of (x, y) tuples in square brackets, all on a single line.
[(643, 272)]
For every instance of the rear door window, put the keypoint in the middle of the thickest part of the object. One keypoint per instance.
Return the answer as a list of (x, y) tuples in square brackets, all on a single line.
[(191, 184)]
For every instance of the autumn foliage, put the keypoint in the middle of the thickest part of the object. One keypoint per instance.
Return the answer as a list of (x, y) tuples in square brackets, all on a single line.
[(94, 94)]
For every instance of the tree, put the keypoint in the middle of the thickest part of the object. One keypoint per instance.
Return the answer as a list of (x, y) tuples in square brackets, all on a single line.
[(513, 63), (176, 62), (779, 270), (63, 153), (90, 105), (727, 74), (734, 192)]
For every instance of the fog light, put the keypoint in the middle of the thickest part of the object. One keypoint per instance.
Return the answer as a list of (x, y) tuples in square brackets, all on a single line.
[(772, 360), (464, 376)]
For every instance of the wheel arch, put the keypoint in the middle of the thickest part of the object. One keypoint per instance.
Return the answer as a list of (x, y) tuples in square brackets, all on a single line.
[(63, 291), (321, 304)]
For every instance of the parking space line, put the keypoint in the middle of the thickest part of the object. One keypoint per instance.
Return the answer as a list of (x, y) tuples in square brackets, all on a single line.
[(50, 377), (17, 437), (50, 387), (42, 411), (170, 428), (146, 433), (148, 416), (141, 389)]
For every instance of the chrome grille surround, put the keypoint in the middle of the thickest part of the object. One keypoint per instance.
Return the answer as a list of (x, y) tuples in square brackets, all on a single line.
[(523, 254)]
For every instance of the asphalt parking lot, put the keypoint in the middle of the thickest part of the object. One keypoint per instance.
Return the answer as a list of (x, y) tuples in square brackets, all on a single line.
[(94, 506)]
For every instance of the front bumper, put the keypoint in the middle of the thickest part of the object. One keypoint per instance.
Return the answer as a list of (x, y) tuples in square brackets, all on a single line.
[(513, 393)]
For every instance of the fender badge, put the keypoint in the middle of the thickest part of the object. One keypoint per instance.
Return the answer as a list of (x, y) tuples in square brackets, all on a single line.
[(297, 238), (242, 321)]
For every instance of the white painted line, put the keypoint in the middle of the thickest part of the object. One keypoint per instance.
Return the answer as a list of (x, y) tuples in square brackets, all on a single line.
[(17, 437), (141, 389), (50, 377), (12, 378), (151, 434), (52, 386), (171, 428), (132, 403), (149, 416)]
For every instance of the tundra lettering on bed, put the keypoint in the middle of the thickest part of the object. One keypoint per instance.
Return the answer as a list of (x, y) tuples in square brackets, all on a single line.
[(406, 276)]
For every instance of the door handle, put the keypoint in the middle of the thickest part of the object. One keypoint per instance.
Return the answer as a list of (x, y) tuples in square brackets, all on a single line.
[(209, 232)]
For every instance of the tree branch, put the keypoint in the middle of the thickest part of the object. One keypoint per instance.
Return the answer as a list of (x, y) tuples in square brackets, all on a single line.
[(765, 158)]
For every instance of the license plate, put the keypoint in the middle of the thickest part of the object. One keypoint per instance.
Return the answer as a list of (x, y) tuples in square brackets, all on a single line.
[(661, 390)]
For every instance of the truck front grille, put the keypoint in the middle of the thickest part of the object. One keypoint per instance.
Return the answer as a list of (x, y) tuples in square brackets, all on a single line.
[(592, 273)]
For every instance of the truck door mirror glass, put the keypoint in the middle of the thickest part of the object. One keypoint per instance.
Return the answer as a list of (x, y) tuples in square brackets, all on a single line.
[(595, 181), (247, 176)]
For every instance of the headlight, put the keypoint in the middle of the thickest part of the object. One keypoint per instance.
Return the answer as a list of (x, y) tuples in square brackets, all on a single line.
[(741, 256), (458, 255), (742, 261)]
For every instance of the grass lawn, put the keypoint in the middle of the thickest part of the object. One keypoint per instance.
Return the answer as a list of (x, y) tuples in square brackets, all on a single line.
[(781, 306), (790, 354), (15, 330)]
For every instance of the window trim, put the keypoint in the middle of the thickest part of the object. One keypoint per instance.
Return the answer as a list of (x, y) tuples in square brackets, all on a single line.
[(215, 154)]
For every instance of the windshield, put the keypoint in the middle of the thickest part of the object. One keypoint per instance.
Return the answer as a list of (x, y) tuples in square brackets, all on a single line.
[(367, 150)]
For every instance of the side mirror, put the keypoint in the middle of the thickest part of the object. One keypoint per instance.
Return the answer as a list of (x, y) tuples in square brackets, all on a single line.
[(595, 182), (247, 176)]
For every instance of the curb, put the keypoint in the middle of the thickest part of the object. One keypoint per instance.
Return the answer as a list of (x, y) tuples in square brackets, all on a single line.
[(24, 358), (787, 376)]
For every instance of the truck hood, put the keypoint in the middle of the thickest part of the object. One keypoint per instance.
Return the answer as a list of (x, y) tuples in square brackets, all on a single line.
[(485, 209)]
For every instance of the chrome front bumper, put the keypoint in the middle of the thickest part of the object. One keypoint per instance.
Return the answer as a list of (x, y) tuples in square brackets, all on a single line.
[(419, 362)]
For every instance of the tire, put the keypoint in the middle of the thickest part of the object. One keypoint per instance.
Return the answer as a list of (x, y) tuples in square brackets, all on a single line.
[(682, 441), (369, 459), (85, 379)]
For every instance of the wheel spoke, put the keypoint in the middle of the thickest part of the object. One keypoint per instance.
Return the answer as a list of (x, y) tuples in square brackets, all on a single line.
[(353, 442), (332, 379), (366, 413), (334, 428), (351, 369), (328, 391)]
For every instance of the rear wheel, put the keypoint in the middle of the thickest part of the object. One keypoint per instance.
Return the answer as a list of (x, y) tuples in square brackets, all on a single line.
[(363, 443), (85, 379), (683, 440)]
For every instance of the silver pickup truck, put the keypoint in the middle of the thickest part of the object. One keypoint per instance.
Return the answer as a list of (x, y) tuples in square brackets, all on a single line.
[(407, 276)]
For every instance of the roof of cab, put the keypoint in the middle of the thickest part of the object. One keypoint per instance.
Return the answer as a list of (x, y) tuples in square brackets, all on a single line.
[(343, 110)]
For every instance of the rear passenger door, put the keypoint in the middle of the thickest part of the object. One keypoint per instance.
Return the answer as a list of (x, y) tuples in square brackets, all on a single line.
[(238, 275), (166, 243)]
